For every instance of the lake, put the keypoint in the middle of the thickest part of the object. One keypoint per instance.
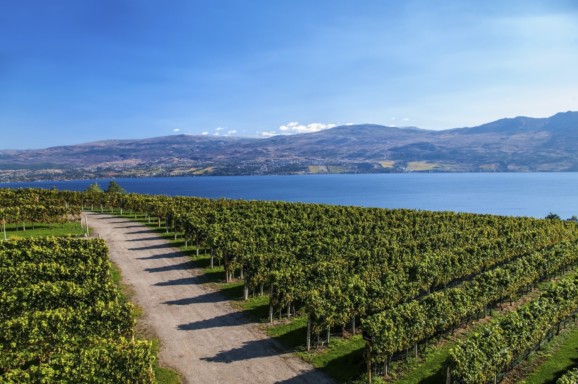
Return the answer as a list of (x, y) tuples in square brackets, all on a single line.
[(513, 194)]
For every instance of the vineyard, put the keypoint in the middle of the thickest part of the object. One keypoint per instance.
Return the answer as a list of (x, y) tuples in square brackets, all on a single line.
[(61, 318), (403, 279)]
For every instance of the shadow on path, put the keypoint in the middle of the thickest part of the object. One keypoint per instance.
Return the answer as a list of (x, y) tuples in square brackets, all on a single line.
[(233, 319), (250, 350), (157, 246), (310, 377), (98, 216), (207, 298), (120, 222), (143, 231), (183, 281), (170, 255), (176, 267), (152, 238)]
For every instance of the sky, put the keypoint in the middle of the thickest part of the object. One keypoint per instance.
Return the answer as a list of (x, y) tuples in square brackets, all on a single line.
[(75, 71)]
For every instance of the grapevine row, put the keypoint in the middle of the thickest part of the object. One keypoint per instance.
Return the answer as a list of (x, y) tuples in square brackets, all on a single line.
[(406, 325), (61, 317), (118, 360), (39, 333), (570, 377), (495, 348)]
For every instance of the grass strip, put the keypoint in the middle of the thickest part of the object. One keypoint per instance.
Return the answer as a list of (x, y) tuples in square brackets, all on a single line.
[(72, 228), (558, 357)]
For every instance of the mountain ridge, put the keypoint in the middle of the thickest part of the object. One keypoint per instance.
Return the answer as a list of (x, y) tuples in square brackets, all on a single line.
[(519, 144)]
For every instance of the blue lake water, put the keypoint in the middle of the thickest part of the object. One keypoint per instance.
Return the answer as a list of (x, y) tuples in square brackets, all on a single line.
[(516, 194)]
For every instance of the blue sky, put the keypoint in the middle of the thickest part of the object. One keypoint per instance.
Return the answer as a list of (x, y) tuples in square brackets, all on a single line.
[(74, 71)]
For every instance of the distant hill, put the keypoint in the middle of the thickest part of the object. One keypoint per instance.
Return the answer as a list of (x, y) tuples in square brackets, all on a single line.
[(520, 144)]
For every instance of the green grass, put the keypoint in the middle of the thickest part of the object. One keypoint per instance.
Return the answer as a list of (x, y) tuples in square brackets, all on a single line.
[(559, 356), (342, 360), (39, 230), (429, 369), (256, 308), (166, 375), (291, 334), (163, 375)]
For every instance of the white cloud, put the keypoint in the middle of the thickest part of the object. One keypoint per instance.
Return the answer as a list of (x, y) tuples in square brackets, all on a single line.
[(219, 129), (269, 134), (231, 132), (295, 127), (176, 130), (205, 133)]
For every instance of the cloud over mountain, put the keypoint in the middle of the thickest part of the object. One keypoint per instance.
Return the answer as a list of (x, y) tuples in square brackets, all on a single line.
[(295, 127)]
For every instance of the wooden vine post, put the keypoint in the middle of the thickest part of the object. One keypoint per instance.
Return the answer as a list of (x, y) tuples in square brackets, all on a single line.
[(308, 342), (369, 339)]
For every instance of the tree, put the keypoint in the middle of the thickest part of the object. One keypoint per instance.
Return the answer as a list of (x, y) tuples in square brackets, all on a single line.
[(552, 216), (94, 187), (113, 187)]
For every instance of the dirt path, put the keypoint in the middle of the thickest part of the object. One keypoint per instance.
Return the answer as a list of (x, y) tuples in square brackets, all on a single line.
[(202, 336)]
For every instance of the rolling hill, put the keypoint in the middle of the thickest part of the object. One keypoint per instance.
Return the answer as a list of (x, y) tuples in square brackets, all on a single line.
[(520, 144)]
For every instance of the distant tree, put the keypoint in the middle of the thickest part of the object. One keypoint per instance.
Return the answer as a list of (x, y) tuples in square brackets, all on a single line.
[(552, 216), (94, 187), (113, 187), (573, 218)]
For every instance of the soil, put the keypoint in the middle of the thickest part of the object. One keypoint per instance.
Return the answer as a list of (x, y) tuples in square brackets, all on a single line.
[(202, 337)]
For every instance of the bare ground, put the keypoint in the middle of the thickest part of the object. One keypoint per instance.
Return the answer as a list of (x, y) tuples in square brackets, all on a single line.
[(202, 336)]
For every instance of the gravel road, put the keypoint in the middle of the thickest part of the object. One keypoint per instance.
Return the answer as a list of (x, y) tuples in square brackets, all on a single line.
[(202, 336)]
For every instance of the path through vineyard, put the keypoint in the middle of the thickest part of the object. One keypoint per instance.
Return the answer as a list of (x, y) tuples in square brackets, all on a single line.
[(202, 336)]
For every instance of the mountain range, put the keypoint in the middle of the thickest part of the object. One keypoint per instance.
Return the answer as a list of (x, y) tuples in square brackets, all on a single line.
[(520, 144)]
